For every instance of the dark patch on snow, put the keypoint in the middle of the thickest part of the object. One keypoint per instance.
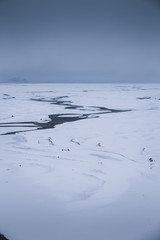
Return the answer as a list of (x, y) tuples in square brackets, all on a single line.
[(8, 98), (50, 141), (151, 160), (143, 98), (73, 141), (152, 163), (99, 145)]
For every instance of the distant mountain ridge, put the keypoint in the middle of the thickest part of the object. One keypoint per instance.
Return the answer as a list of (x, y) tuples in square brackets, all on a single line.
[(17, 80)]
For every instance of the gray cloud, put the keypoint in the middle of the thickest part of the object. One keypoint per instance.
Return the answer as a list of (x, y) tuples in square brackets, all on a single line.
[(155, 1), (57, 40)]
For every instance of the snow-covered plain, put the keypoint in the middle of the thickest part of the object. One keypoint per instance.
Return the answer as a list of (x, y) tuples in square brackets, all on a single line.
[(95, 176)]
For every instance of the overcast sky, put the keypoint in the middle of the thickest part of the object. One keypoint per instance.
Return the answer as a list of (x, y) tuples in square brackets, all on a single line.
[(80, 40)]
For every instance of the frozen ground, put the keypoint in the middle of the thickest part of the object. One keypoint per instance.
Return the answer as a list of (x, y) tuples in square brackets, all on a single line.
[(80, 162)]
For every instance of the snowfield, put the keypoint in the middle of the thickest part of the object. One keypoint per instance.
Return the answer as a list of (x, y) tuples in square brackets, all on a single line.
[(80, 161)]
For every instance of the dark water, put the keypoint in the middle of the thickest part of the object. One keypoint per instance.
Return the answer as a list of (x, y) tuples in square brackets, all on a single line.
[(57, 119)]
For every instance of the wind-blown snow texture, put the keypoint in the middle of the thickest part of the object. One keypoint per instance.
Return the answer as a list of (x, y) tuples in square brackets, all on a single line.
[(79, 162)]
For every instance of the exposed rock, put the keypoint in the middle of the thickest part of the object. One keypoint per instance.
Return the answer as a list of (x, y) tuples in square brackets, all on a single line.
[(3, 237)]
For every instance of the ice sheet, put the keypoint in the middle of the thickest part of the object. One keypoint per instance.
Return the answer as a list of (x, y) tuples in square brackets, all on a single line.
[(94, 175)]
